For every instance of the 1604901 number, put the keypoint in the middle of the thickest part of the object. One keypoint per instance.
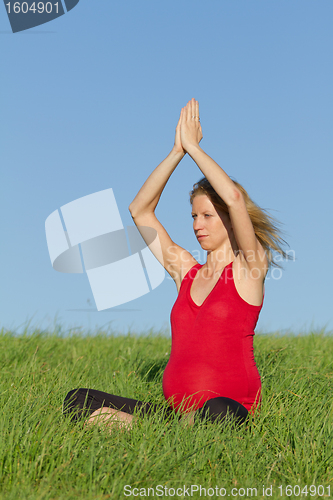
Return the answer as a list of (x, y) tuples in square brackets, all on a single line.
[(35, 7), (312, 490)]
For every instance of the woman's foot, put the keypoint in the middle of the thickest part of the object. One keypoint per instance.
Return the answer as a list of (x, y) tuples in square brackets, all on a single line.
[(110, 418), (188, 418)]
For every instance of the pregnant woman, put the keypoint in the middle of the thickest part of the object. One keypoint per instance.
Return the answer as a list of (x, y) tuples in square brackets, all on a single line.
[(211, 372)]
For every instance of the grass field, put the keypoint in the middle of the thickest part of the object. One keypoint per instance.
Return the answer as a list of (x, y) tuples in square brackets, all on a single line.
[(44, 456)]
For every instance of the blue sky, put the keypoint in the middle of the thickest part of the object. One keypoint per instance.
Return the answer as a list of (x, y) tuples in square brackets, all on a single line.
[(90, 101)]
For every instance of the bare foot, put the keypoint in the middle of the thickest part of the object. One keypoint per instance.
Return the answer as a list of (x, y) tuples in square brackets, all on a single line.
[(110, 418), (188, 418)]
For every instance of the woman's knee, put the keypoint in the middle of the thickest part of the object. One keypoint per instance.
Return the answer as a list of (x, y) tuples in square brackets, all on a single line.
[(72, 396), (220, 408), (74, 403)]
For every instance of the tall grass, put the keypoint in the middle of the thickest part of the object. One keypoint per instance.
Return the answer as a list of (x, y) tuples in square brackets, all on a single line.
[(44, 456)]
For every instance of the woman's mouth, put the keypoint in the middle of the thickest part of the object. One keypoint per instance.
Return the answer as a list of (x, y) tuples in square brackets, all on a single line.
[(202, 236)]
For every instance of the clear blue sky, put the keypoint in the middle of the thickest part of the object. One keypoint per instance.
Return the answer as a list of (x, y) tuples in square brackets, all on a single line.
[(90, 101)]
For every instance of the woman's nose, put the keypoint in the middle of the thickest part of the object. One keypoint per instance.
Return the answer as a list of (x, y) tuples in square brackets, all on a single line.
[(197, 224)]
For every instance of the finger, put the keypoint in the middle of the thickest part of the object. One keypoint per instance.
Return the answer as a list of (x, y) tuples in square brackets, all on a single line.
[(192, 108), (185, 112), (197, 110), (188, 111), (180, 117)]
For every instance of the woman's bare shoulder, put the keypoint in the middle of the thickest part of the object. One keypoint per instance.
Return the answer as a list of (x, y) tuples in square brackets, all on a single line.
[(249, 283), (185, 268)]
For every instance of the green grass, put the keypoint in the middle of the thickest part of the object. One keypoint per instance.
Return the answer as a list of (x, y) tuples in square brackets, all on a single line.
[(44, 456)]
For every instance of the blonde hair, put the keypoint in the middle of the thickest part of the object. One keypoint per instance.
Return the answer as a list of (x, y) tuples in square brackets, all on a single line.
[(265, 226)]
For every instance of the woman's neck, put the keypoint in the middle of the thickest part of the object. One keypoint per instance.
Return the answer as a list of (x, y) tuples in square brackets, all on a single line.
[(217, 260)]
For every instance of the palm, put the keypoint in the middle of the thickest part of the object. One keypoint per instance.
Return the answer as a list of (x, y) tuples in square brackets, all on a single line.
[(190, 127), (178, 143)]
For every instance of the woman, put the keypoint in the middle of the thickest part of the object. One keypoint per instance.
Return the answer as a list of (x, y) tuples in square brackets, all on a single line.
[(211, 372)]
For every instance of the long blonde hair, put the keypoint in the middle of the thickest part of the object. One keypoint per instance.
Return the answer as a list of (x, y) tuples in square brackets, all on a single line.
[(265, 226)]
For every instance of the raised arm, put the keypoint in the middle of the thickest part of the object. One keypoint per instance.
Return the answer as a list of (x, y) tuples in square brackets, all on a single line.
[(247, 241), (173, 257), (147, 198)]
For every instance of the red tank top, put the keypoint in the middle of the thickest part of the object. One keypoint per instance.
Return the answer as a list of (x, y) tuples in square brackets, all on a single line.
[(212, 347)]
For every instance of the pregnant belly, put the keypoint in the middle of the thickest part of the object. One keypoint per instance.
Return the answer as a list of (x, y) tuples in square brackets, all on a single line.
[(189, 387)]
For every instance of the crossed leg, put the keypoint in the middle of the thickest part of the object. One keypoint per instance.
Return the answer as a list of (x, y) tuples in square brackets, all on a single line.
[(101, 407), (111, 418)]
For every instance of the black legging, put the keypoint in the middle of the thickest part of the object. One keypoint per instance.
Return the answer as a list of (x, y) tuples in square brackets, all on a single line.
[(80, 403)]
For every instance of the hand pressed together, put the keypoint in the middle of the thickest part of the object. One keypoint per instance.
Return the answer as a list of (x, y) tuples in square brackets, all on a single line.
[(188, 131)]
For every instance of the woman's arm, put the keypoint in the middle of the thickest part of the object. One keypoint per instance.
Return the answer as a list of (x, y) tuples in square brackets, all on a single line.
[(225, 188), (173, 258), (218, 179), (147, 198)]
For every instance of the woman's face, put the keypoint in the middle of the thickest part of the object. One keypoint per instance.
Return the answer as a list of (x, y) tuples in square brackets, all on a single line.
[(211, 227)]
